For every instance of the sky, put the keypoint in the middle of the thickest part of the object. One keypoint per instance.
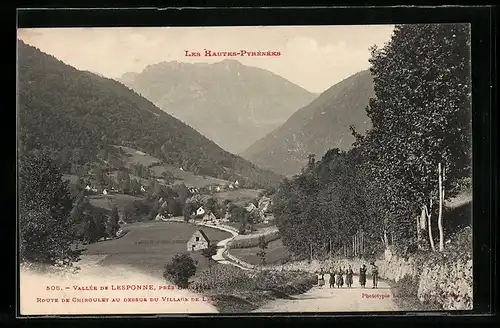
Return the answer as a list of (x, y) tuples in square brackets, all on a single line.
[(313, 57)]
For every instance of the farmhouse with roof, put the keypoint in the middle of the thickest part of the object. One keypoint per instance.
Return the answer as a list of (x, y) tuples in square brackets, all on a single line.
[(198, 241), (200, 211)]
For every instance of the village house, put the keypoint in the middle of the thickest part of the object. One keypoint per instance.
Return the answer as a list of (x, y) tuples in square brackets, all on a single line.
[(200, 211), (209, 217), (104, 192), (159, 217), (250, 207), (198, 241), (226, 217)]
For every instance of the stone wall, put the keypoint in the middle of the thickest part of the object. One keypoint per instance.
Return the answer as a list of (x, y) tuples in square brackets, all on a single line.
[(444, 279)]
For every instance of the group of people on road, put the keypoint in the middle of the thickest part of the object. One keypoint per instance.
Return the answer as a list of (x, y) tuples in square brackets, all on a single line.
[(337, 276)]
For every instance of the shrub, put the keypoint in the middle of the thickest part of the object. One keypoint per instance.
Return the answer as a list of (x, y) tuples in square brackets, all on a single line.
[(223, 277), (406, 287), (209, 252), (180, 269)]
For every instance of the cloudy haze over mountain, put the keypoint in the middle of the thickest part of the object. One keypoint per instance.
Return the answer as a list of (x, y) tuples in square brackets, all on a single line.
[(313, 57)]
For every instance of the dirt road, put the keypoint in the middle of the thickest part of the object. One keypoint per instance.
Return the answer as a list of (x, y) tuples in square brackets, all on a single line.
[(326, 299)]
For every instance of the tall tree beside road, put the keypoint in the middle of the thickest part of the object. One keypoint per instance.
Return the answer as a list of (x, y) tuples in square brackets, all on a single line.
[(400, 173), (421, 116)]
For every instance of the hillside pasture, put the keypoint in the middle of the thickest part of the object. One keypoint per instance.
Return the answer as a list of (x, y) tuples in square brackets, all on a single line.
[(252, 240), (188, 178), (275, 254), (238, 196), (105, 201), (134, 156), (149, 246), (259, 227)]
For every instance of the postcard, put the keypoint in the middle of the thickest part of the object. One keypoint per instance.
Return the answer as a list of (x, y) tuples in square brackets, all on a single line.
[(258, 169)]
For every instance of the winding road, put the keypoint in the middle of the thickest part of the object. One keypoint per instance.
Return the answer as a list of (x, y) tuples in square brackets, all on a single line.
[(222, 249)]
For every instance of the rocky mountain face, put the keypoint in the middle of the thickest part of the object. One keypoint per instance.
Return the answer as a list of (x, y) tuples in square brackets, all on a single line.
[(317, 127), (232, 104)]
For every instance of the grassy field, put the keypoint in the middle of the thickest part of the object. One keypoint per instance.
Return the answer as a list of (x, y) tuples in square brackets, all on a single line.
[(149, 246), (188, 178), (105, 201), (137, 157), (238, 196), (259, 226), (276, 253)]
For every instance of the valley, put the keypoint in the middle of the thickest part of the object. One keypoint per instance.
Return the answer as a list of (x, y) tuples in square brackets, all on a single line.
[(236, 186)]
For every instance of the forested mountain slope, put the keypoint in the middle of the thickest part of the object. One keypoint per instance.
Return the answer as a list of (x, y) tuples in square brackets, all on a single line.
[(76, 112)]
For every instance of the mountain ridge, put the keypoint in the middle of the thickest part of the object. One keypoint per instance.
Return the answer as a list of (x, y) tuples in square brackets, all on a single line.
[(314, 129), (228, 102)]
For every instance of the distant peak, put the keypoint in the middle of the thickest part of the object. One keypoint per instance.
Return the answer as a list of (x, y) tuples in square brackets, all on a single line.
[(232, 62)]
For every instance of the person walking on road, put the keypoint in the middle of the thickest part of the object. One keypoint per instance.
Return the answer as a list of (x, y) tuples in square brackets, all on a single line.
[(362, 276), (348, 277), (321, 278), (331, 281), (374, 275), (340, 278)]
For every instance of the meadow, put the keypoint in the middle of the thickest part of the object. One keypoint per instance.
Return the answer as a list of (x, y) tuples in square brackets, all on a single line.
[(276, 253), (106, 201), (133, 156), (149, 246), (239, 196), (252, 240)]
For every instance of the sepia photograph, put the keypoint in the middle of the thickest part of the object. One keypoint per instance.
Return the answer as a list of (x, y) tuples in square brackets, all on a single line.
[(238, 170)]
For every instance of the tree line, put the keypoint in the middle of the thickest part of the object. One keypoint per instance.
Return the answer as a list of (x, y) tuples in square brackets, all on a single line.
[(390, 189)]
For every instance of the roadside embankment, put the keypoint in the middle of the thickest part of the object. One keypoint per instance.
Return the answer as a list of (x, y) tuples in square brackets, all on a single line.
[(237, 291)]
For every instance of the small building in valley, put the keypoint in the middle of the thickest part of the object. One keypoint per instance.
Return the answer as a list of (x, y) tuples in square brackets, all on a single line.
[(198, 241), (209, 217), (200, 212)]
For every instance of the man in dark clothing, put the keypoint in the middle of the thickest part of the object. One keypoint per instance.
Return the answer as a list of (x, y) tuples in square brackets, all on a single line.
[(362, 276), (332, 278), (374, 275), (348, 277)]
